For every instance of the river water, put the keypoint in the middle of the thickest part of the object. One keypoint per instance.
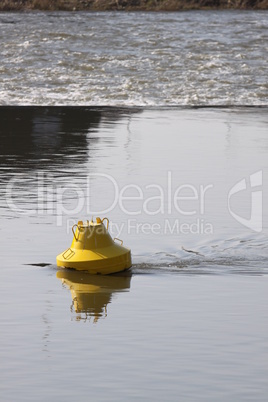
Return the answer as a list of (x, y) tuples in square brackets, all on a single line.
[(187, 58), (183, 183)]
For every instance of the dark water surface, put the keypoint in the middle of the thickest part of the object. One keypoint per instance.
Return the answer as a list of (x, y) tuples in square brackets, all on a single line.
[(186, 189)]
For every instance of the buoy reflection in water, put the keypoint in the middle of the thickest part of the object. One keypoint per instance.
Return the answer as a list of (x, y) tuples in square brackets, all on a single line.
[(92, 293)]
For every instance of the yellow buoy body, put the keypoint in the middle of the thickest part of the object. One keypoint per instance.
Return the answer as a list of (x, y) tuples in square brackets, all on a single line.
[(94, 250)]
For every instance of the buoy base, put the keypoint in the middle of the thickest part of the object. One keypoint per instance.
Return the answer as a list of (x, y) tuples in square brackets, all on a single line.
[(99, 262)]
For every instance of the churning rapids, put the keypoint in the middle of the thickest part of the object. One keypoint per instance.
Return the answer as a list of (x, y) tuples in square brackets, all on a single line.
[(140, 59)]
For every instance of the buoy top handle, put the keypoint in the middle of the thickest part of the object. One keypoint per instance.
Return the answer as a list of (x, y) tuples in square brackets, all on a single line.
[(99, 221)]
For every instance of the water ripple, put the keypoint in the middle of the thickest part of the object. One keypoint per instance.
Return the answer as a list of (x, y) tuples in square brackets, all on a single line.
[(114, 59)]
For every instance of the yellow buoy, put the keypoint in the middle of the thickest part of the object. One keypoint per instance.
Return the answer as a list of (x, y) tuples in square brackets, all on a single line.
[(94, 250)]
